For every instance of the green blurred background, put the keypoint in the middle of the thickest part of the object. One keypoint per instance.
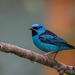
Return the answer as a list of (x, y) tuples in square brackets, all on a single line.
[(17, 16)]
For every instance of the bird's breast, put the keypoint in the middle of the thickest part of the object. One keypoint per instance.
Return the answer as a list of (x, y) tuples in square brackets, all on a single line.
[(43, 46)]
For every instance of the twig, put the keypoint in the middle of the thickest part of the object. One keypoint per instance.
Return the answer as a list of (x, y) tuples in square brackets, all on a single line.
[(60, 67)]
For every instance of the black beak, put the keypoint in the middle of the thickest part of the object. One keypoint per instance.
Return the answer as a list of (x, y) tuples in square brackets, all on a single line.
[(32, 29)]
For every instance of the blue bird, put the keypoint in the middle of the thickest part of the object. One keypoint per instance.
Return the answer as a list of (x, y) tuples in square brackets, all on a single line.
[(47, 41)]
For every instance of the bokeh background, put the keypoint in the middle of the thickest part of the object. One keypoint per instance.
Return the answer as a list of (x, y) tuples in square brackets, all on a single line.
[(17, 16)]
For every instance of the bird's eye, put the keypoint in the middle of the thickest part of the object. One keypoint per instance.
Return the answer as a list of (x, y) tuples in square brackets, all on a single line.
[(35, 27)]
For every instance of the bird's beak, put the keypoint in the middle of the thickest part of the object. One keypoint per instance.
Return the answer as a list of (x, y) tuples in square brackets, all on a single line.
[(32, 29)]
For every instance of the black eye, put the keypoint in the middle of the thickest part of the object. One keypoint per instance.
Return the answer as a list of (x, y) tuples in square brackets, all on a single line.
[(35, 27)]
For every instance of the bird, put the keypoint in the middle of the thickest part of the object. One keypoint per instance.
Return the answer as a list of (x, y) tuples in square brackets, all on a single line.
[(48, 41)]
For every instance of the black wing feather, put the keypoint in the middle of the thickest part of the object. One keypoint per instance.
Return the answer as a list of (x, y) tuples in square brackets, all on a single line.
[(51, 38)]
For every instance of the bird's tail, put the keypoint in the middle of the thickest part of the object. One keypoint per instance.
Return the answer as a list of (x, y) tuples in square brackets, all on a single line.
[(73, 47)]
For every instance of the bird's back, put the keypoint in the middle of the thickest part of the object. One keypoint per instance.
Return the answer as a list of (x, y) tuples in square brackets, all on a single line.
[(47, 44)]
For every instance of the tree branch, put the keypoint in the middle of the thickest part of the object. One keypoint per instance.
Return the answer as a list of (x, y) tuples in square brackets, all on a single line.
[(60, 67)]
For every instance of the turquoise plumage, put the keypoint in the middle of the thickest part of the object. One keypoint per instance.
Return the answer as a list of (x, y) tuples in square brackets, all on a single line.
[(47, 41)]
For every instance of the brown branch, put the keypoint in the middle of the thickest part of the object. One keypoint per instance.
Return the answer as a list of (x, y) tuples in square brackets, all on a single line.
[(60, 67)]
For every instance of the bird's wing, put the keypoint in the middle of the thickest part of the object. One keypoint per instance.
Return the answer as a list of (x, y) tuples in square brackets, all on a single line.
[(53, 39)]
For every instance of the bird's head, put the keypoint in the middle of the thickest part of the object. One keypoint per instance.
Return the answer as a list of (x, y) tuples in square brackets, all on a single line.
[(38, 29)]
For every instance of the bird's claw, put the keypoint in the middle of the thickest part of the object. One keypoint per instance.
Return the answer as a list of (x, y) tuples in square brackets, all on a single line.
[(45, 56), (53, 59)]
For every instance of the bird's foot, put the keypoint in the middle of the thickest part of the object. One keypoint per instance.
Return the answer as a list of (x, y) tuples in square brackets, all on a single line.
[(45, 56), (53, 59), (54, 56)]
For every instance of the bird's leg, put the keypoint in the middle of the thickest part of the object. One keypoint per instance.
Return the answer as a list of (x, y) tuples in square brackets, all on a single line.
[(47, 53), (55, 55)]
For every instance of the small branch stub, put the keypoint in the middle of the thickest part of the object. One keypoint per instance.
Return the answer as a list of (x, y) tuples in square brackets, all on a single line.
[(1, 46)]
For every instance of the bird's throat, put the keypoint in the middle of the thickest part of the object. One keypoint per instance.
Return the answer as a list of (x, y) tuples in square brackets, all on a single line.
[(34, 33)]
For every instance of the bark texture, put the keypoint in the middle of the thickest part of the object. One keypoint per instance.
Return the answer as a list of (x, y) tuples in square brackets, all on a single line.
[(28, 54)]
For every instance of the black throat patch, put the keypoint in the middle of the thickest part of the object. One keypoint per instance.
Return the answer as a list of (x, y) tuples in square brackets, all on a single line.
[(34, 33)]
